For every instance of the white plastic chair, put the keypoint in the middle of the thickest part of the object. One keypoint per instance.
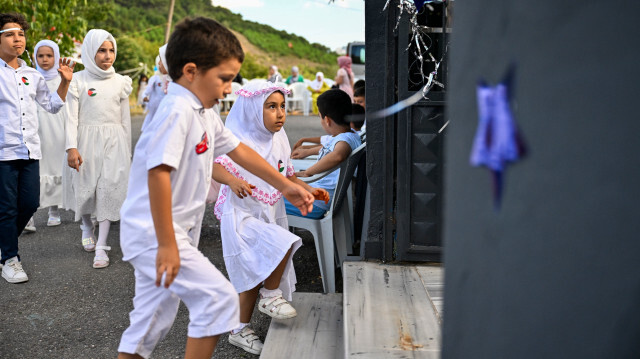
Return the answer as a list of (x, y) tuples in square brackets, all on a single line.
[(332, 232), (228, 101), (299, 95)]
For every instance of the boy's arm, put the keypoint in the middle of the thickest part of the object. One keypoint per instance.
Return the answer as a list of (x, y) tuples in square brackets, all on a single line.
[(306, 139), (340, 152), (239, 187), (305, 151), (251, 161), (168, 258)]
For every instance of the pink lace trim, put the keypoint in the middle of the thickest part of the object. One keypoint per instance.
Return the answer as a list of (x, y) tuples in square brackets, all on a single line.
[(257, 193), (245, 93)]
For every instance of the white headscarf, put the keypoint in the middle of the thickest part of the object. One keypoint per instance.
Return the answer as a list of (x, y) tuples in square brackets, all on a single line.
[(52, 73), (246, 121), (90, 45), (315, 84), (163, 56)]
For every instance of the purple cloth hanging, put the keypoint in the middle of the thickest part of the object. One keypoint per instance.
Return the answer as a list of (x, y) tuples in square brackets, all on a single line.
[(497, 142)]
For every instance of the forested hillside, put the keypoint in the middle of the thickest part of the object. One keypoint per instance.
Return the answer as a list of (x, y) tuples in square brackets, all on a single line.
[(139, 26)]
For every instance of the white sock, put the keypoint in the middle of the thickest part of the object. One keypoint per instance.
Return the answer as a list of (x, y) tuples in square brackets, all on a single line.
[(239, 329), (103, 233), (86, 226), (269, 293), (53, 211)]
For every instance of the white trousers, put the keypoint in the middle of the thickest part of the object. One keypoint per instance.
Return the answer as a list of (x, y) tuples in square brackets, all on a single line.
[(210, 298)]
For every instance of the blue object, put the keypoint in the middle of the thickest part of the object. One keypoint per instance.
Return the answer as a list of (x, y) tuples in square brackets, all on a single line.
[(497, 142)]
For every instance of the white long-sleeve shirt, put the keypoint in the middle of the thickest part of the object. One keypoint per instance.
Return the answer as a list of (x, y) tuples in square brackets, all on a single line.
[(20, 90)]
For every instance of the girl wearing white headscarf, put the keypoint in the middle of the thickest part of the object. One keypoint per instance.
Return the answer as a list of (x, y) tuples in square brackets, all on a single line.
[(98, 141), (317, 87), (254, 228), (157, 88), (51, 132)]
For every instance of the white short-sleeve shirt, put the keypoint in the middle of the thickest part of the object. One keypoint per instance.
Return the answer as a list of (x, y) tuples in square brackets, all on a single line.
[(186, 137)]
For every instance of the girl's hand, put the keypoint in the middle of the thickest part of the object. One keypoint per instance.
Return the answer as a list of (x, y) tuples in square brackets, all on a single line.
[(241, 188), (167, 264), (74, 160), (66, 69), (321, 194)]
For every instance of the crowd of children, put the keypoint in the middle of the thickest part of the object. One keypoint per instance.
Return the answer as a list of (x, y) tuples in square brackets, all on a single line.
[(67, 143)]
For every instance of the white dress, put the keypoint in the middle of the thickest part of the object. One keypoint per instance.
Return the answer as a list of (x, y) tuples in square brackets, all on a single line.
[(99, 126), (51, 132), (255, 236)]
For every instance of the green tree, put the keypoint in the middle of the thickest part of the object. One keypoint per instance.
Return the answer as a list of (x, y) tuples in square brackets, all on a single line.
[(60, 21)]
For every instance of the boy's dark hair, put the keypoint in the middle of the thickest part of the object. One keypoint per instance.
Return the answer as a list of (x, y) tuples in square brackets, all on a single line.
[(357, 116), (358, 84), (202, 41), (19, 19), (358, 91), (336, 104)]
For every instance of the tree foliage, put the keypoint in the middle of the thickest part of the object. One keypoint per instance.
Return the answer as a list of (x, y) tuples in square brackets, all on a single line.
[(60, 21)]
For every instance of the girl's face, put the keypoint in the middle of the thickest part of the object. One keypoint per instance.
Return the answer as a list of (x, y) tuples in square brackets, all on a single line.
[(274, 112), (105, 56), (45, 58), (161, 67)]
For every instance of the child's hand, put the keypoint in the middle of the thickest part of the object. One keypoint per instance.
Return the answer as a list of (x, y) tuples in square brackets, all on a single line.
[(74, 160), (241, 188), (299, 153), (167, 262), (299, 197), (66, 69), (321, 194), (298, 144), (302, 173)]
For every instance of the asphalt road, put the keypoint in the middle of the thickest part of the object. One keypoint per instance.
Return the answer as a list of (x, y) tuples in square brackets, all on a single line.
[(67, 309)]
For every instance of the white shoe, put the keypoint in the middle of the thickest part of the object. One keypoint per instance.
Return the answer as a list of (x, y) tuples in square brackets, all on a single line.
[(277, 307), (12, 271), (247, 340), (30, 227), (54, 219)]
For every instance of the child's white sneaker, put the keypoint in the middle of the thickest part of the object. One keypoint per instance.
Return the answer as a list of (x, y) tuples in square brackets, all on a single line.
[(247, 340), (31, 226), (277, 307), (12, 271), (54, 218)]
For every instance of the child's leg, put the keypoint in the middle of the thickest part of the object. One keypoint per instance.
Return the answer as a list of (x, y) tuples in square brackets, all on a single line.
[(154, 310), (271, 301), (9, 173), (101, 259), (54, 216), (273, 281), (247, 303), (200, 347), (88, 238)]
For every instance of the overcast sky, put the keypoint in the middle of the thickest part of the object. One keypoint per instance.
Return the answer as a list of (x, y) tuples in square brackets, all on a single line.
[(330, 24)]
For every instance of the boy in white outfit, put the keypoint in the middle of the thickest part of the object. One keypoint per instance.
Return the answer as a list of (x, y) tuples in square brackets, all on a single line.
[(170, 177), (21, 87)]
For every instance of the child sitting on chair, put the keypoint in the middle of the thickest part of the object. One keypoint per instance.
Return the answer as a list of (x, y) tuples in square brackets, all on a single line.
[(334, 107)]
